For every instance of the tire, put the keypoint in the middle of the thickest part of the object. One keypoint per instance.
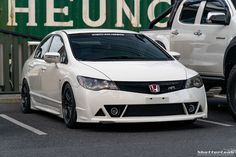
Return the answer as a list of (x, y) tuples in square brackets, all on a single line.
[(231, 91), (68, 107), (25, 98)]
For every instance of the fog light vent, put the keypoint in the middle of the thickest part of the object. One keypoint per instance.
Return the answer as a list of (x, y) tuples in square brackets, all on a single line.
[(191, 107), (115, 110), (200, 109), (100, 113)]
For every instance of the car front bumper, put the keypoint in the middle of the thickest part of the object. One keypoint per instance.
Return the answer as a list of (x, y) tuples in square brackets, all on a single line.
[(88, 104)]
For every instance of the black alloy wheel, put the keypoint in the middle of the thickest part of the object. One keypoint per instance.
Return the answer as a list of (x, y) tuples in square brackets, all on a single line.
[(25, 98), (68, 107)]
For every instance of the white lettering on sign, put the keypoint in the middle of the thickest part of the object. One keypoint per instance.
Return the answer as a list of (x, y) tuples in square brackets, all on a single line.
[(122, 11), (12, 10), (151, 11), (51, 12), (134, 18), (102, 18)]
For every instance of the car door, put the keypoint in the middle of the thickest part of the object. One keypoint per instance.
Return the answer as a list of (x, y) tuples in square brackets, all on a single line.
[(184, 28), (211, 41), (52, 75), (35, 69)]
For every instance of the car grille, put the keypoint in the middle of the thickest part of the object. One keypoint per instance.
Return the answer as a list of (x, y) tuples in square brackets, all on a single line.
[(145, 110), (143, 87), (154, 110)]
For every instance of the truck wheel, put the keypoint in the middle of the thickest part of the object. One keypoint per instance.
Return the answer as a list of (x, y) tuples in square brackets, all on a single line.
[(231, 91)]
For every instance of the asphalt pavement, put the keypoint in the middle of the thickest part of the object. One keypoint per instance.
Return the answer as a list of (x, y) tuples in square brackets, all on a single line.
[(40, 134)]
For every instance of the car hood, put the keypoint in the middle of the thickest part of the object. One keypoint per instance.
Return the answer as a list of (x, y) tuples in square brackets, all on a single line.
[(140, 71)]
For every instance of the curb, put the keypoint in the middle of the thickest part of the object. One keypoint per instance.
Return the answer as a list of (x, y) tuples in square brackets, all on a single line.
[(10, 99)]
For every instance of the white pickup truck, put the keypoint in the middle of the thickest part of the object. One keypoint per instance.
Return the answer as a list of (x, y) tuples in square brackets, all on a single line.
[(204, 33)]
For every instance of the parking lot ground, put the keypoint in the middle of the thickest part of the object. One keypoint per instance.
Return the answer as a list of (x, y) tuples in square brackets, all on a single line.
[(20, 136)]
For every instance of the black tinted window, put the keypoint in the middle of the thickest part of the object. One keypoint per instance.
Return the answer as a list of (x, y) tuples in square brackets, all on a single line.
[(43, 48), (213, 7), (189, 12), (110, 47)]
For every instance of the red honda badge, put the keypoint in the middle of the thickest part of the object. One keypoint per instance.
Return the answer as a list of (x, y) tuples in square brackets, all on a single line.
[(154, 88)]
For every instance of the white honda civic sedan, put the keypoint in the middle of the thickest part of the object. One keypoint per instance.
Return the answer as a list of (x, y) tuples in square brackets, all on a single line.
[(110, 76)]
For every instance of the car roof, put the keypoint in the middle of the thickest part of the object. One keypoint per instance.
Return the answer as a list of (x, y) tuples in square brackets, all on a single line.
[(76, 31)]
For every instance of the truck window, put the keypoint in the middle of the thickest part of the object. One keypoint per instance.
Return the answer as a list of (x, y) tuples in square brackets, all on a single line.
[(212, 6), (234, 3), (189, 12)]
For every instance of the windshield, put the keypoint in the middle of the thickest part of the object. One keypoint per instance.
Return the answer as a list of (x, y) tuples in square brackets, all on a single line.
[(115, 46)]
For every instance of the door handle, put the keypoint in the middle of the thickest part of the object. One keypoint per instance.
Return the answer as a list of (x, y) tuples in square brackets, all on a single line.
[(198, 33), (175, 32)]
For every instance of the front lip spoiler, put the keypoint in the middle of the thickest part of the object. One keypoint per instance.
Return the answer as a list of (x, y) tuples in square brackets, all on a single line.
[(147, 119)]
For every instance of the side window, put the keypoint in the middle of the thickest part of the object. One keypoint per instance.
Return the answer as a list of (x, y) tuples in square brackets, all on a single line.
[(212, 6), (58, 46), (43, 48), (189, 12)]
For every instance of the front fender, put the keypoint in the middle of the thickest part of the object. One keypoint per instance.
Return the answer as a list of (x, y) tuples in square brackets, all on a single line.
[(165, 40), (227, 52), (162, 36)]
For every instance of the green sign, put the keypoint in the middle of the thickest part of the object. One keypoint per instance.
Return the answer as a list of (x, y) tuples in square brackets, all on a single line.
[(39, 17)]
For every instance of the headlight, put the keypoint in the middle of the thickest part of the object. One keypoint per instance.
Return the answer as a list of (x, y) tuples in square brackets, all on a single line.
[(195, 81), (96, 84)]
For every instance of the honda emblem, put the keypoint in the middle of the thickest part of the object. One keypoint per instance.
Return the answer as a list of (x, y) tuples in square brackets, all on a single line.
[(154, 88)]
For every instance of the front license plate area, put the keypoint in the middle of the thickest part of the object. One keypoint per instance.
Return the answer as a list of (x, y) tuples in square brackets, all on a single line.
[(157, 100)]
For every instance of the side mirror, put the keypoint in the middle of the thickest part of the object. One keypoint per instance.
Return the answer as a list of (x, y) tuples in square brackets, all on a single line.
[(52, 57), (218, 18), (176, 55)]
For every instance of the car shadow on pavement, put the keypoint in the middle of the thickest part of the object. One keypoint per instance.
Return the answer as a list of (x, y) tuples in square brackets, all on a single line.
[(140, 127), (47, 115), (220, 104), (219, 110)]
